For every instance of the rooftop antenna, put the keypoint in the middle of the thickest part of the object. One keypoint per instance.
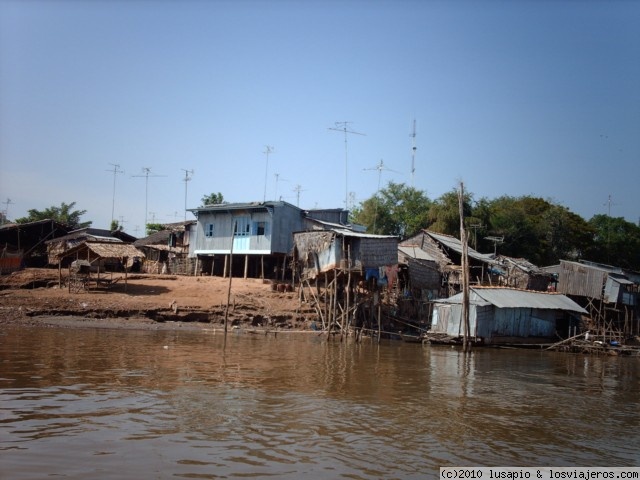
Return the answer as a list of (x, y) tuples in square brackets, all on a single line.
[(187, 177), (146, 173), (267, 151), (413, 152), (344, 127), (380, 167), (115, 171), (496, 241), (277, 175), (7, 202), (298, 189)]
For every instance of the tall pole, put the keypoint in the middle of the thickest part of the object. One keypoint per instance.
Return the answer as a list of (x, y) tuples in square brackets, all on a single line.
[(466, 340), (115, 171), (413, 152), (5, 217), (267, 151), (344, 127), (146, 173), (187, 176)]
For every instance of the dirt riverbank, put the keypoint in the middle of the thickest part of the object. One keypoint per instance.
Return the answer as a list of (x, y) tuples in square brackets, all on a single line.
[(34, 296)]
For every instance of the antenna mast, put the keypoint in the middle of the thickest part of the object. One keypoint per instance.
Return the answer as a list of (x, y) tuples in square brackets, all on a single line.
[(187, 177), (7, 202), (413, 152), (115, 171), (298, 189), (380, 167), (344, 127), (268, 150), (146, 173)]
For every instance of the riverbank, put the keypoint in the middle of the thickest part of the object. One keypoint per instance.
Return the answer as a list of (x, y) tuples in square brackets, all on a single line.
[(36, 296)]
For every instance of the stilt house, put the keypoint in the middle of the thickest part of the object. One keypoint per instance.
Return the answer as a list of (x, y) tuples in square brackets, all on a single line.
[(257, 237)]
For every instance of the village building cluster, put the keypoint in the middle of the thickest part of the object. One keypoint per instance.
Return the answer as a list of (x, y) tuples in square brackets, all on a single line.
[(358, 283)]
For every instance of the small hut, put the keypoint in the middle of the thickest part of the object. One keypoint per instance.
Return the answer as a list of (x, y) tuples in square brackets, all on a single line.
[(506, 315)]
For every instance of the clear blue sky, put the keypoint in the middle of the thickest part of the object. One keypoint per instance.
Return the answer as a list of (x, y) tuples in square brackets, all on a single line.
[(513, 98)]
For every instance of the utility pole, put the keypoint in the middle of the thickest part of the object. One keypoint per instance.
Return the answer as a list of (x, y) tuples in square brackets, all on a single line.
[(267, 151), (344, 127), (187, 176), (115, 171), (146, 173)]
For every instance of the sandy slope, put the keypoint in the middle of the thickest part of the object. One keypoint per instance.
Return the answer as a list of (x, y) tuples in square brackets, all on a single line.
[(32, 293)]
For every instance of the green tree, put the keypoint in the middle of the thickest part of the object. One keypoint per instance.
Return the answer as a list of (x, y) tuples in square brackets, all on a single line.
[(394, 210), (615, 242), (212, 199), (63, 214), (538, 230), (155, 227), (444, 215)]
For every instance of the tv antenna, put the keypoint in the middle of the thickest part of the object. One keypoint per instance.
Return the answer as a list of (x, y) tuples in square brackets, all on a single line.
[(187, 177), (496, 241), (344, 127), (146, 173), (380, 167), (278, 179), (413, 152), (115, 171), (609, 204), (267, 150), (7, 202), (298, 189)]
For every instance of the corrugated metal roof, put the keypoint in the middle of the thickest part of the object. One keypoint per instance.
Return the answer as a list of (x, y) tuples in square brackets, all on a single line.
[(513, 298), (350, 233), (454, 244), (241, 206), (416, 252)]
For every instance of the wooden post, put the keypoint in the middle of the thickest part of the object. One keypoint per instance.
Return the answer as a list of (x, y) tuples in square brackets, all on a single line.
[(246, 265), (466, 340), (226, 264), (262, 267), (226, 310)]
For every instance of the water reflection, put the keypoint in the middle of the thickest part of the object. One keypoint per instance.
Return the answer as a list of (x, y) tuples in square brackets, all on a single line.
[(158, 404)]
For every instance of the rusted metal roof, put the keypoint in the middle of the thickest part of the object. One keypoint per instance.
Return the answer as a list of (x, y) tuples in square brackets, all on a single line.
[(456, 245)]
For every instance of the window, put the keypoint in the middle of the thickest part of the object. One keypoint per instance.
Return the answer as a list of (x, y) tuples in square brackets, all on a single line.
[(261, 228), (208, 230)]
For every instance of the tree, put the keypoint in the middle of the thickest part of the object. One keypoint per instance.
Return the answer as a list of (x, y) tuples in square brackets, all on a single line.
[(155, 227), (63, 214), (395, 210), (538, 230), (615, 242), (212, 199), (444, 215)]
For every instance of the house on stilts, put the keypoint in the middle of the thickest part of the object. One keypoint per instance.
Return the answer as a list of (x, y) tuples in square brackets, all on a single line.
[(253, 239)]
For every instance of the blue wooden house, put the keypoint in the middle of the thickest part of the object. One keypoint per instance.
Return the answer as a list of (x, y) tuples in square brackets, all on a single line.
[(253, 239)]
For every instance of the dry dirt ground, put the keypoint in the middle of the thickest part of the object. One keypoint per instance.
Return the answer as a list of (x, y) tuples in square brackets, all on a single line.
[(34, 296)]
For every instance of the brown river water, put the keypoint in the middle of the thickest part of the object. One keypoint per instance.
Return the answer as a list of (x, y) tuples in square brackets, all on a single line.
[(119, 404)]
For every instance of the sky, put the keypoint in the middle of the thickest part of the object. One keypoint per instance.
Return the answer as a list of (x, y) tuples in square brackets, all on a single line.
[(114, 104)]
